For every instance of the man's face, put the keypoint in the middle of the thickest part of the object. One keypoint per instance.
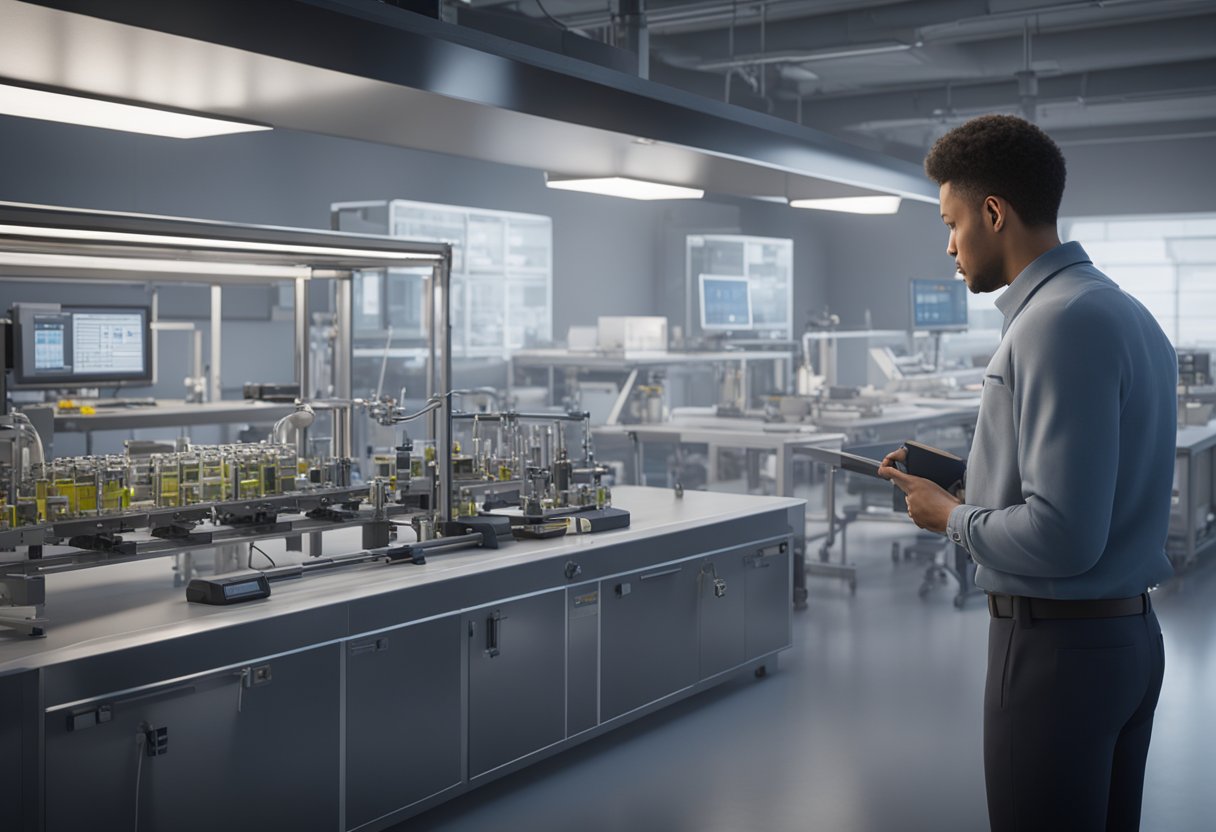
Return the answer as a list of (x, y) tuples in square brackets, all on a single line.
[(973, 242)]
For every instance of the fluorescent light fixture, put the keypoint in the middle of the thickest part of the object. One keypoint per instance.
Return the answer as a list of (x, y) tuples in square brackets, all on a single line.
[(851, 204), (112, 115), (91, 235), (624, 187), (137, 264)]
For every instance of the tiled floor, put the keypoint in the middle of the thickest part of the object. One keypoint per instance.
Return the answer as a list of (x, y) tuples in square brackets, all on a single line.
[(871, 724)]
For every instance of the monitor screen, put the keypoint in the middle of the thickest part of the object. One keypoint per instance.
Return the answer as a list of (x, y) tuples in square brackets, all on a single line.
[(939, 304), (726, 303), (77, 346)]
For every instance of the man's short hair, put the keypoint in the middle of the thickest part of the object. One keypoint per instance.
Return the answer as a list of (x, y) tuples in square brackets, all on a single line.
[(1003, 156)]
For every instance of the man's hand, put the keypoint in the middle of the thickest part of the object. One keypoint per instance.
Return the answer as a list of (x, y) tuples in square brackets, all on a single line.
[(929, 505)]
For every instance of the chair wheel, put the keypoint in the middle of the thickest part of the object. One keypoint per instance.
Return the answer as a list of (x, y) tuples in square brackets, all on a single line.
[(959, 601)]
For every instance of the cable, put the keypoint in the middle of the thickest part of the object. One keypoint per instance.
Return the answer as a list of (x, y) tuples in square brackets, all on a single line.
[(139, 770), (552, 19), (253, 547), (434, 404)]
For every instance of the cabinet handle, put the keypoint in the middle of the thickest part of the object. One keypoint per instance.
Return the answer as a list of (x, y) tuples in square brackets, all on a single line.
[(374, 646), (493, 627), (660, 574)]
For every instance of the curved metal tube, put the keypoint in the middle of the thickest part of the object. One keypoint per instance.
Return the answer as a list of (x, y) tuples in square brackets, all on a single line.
[(300, 418)]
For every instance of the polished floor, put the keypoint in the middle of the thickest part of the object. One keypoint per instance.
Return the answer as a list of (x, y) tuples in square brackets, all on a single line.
[(871, 724)]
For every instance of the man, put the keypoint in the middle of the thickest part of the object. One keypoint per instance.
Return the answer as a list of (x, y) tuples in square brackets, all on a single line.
[(1067, 495)]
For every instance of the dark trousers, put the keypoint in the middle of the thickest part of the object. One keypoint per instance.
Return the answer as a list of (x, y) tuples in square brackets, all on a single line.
[(1068, 712)]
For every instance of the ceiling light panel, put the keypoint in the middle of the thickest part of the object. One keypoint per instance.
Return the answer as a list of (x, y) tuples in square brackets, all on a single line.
[(851, 204), (111, 115), (626, 188)]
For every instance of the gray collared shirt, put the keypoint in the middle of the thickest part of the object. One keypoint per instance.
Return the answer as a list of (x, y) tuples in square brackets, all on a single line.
[(1071, 471)]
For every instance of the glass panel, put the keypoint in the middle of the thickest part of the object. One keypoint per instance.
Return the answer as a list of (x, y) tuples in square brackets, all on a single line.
[(486, 312), (434, 225), (527, 313), (487, 239), (368, 301), (1197, 305), (405, 301), (1108, 253), (459, 311), (529, 243)]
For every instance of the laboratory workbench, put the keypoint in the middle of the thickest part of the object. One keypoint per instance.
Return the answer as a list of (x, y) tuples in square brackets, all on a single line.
[(355, 699), (1193, 514)]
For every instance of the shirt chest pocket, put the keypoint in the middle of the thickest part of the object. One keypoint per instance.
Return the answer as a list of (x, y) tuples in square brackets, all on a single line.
[(996, 404)]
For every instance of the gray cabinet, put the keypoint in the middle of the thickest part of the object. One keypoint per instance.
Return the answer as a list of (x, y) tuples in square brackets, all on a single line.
[(648, 640), (768, 583), (723, 598), (17, 750), (582, 658), (244, 749), (517, 679), (402, 718), (744, 604)]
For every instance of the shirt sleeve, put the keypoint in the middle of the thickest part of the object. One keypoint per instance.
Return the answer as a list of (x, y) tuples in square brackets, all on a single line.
[(1068, 370)]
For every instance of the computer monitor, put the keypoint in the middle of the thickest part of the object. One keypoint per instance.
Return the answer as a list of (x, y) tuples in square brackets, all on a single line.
[(726, 303), (939, 305), (81, 346)]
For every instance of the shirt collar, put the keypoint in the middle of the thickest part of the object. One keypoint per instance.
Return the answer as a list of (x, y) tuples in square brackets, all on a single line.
[(1044, 267)]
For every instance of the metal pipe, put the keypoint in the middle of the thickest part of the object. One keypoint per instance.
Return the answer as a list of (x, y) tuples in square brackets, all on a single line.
[(300, 309), (442, 337), (217, 306), (341, 416), (343, 318)]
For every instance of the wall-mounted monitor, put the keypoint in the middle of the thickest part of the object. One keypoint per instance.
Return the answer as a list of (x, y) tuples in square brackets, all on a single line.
[(939, 305), (81, 346), (726, 303)]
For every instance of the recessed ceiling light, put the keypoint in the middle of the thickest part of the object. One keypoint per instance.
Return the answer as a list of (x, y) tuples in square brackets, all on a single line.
[(27, 102), (624, 187), (851, 204)]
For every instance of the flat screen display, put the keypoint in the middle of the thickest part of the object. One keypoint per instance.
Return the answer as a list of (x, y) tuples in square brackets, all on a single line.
[(726, 303), (939, 305), (65, 346)]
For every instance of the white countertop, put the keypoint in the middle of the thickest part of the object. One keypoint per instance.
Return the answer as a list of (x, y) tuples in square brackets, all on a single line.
[(114, 607)]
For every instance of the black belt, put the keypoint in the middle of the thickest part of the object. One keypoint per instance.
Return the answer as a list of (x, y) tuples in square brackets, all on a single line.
[(1003, 606)]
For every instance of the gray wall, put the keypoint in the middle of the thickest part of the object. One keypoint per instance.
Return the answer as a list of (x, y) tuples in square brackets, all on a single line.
[(611, 256), (605, 248)]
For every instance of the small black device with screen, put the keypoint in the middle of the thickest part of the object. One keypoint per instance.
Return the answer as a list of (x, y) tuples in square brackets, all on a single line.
[(942, 467), (856, 464), (228, 589)]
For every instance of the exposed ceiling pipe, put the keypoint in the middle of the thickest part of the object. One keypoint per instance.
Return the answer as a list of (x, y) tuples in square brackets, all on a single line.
[(761, 58), (633, 33), (1028, 82)]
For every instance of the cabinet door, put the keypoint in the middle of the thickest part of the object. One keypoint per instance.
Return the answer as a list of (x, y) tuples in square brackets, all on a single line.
[(19, 780), (402, 718), (768, 577), (648, 639), (723, 597), (517, 679), (239, 751)]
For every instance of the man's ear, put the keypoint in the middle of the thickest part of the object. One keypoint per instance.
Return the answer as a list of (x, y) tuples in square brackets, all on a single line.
[(995, 210)]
